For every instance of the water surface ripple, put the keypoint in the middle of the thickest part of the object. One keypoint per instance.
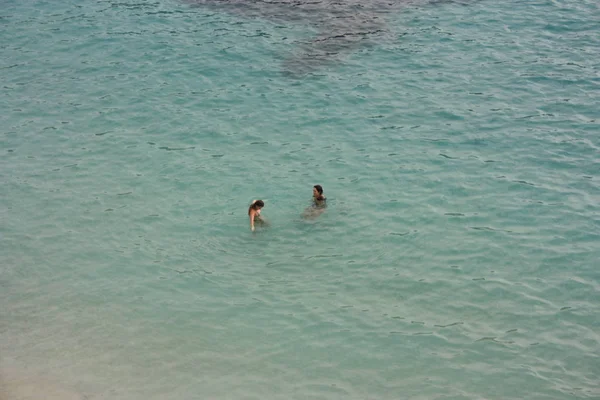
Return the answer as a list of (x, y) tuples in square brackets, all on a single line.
[(458, 148)]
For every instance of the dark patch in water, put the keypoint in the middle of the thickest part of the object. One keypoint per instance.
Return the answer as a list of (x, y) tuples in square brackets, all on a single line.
[(176, 148), (343, 25)]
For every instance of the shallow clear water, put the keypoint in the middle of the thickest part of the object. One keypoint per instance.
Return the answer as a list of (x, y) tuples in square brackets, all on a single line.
[(458, 256)]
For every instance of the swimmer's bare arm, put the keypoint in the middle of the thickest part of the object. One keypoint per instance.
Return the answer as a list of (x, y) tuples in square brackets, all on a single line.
[(252, 214)]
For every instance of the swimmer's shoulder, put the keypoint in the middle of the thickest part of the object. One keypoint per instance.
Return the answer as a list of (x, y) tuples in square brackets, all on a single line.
[(320, 202)]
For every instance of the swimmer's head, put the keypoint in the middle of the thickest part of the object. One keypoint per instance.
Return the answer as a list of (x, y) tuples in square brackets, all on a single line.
[(256, 205), (318, 192)]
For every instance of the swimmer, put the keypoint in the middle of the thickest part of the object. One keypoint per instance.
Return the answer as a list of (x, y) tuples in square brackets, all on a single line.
[(254, 212), (318, 198), (318, 204)]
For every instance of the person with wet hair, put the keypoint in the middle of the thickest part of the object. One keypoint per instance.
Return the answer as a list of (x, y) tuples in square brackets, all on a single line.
[(319, 203), (318, 198), (254, 212)]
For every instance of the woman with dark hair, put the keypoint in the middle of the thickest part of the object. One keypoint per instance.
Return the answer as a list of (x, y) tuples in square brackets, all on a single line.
[(318, 204), (318, 198), (254, 212)]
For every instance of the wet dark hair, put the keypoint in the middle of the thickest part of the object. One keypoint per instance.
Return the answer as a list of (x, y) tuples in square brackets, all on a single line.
[(319, 188), (255, 205)]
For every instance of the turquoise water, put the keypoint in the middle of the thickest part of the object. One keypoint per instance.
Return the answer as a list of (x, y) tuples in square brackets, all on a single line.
[(458, 256)]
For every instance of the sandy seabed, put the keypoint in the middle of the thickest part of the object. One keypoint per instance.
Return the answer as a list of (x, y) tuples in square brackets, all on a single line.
[(21, 385)]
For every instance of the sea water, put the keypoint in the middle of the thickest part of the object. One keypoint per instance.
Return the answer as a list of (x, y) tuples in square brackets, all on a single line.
[(458, 256)]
